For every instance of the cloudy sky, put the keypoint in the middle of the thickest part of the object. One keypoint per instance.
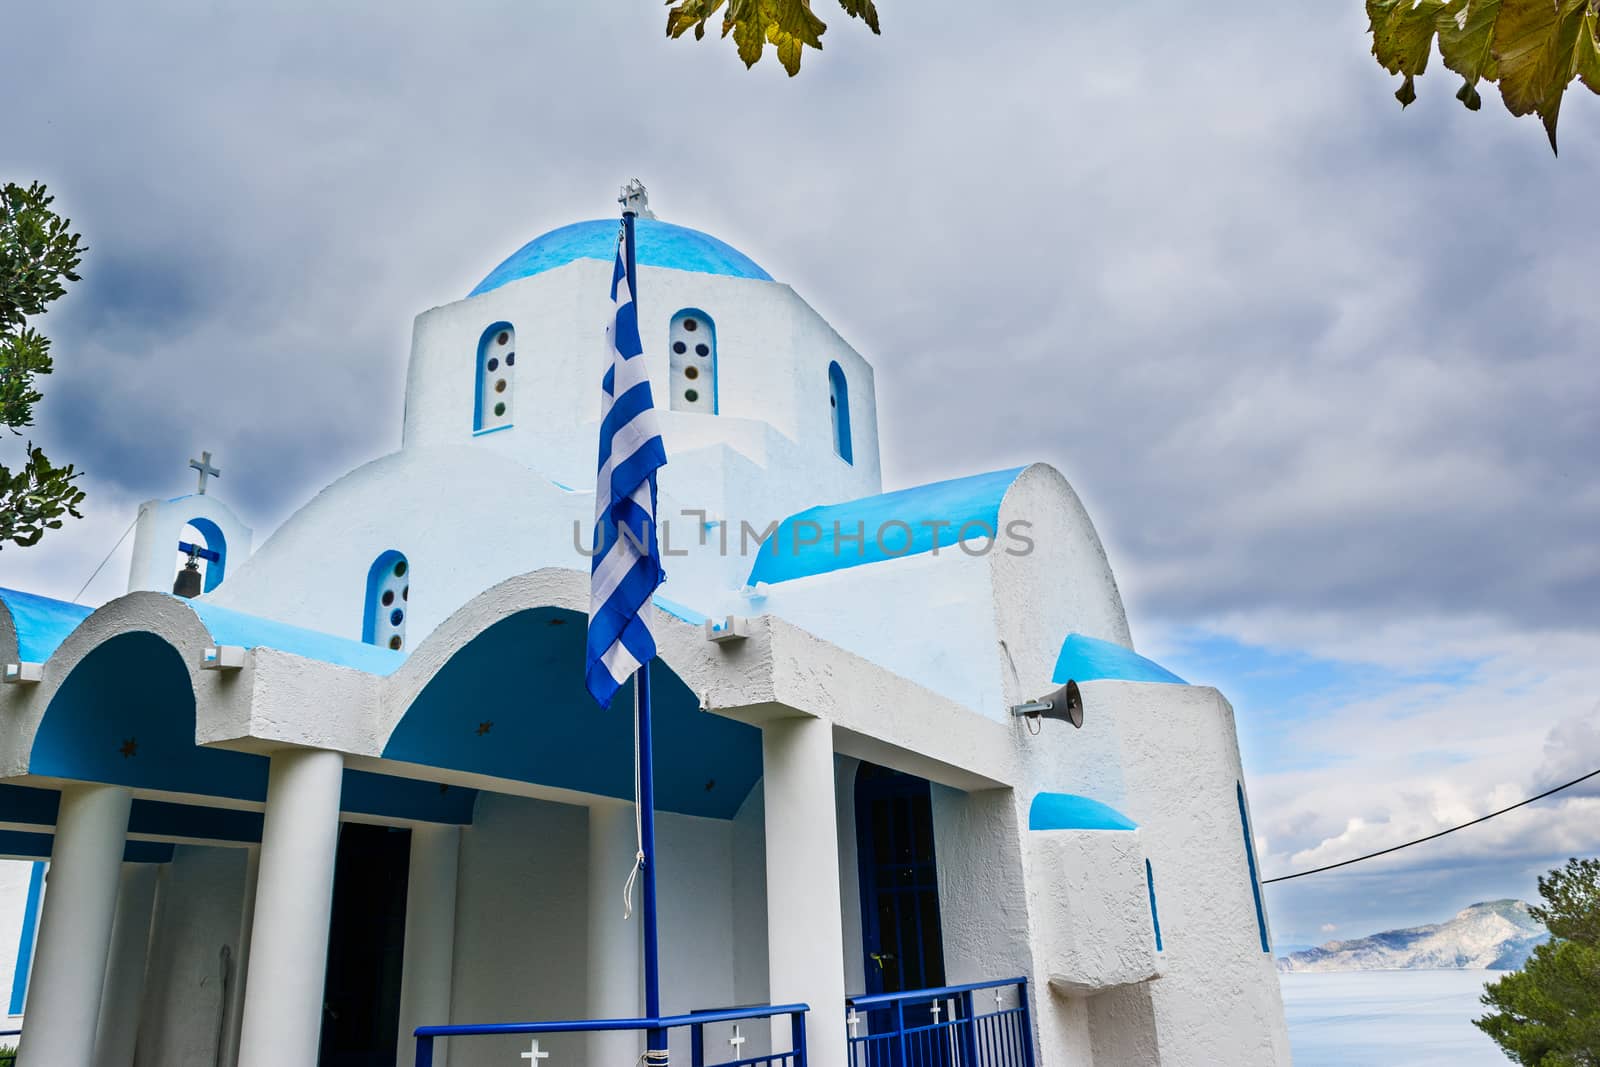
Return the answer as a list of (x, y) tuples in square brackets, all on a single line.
[(1323, 371)]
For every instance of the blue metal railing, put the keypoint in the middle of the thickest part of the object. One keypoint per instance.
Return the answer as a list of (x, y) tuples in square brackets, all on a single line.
[(694, 1022), (952, 1026)]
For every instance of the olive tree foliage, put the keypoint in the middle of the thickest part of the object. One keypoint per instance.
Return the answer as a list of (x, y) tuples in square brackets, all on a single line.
[(38, 253), (1548, 1013), (1532, 49)]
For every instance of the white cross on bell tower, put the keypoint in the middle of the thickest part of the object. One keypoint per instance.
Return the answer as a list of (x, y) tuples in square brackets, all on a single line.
[(203, 465)]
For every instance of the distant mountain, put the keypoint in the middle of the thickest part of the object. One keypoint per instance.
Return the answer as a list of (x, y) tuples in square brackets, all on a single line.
[(1495, 935)]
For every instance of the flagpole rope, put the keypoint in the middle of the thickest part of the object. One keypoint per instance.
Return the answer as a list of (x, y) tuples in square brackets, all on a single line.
[(638, 815)]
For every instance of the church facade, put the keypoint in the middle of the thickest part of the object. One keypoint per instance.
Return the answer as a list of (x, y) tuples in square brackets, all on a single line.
[(354, 785)]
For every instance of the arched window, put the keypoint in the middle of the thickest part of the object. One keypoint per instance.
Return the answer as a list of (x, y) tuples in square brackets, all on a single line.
[(388, 601), (497, 373), (207, 535), (693, 339), (839, 403)]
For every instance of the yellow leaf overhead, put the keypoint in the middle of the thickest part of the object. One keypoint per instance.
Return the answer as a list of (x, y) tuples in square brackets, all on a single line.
[(790, 26), (1532, 49)]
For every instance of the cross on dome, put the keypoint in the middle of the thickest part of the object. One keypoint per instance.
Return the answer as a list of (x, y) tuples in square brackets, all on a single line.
[(634, 198), (533, 1055)]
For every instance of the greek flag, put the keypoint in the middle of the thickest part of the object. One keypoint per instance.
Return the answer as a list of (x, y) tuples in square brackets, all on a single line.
[(626, 566)]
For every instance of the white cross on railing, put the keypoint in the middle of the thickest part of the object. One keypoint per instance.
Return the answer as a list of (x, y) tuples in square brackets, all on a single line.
[(937, 1009), (533, 1055), (736, 1040), (998, 999), (854, 1019)]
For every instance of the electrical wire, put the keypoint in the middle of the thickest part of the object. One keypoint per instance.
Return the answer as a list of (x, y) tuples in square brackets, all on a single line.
[(103, 562), (1430, 837)]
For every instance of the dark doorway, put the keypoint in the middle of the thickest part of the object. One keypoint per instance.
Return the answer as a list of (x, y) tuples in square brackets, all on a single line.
[(361, 998), (904, 944)]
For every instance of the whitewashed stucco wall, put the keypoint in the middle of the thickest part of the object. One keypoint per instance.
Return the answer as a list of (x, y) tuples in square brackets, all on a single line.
[(1217, 1000), (199, 901), (14, 876), (522, 915)]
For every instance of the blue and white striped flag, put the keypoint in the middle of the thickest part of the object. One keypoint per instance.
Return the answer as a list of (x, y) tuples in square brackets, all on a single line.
[(626, 566)]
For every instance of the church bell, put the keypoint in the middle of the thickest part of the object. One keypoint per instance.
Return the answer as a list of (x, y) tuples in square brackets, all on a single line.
[(188, 584)]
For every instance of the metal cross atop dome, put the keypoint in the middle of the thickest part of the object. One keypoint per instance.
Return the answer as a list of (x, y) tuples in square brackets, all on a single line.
[(203, 465), (635, 199)]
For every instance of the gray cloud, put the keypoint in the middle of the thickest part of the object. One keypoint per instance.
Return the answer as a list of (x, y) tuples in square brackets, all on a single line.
[(1305, 357)]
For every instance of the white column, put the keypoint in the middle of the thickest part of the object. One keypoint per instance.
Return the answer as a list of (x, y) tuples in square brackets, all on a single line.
[(805, 936), (294, 896), (616, 945), (75, 928), (122, 993), (430, 947)]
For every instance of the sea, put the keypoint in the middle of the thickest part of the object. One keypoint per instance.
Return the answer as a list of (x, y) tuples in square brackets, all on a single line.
[(1388, 1019)]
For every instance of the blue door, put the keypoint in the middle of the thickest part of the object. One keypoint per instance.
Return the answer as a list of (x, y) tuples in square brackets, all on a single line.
[(904, 944)]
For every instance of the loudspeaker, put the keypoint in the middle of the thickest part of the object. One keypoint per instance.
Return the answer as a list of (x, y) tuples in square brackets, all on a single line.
[(1064, 704)]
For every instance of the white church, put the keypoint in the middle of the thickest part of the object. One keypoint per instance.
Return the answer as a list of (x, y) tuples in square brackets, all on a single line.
[(920, 801)]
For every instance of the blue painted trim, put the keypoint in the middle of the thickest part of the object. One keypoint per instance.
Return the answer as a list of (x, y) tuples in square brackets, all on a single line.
[(1155, 916), (1084, 659), (41, 622), (893, 525), (477, 380), (679, 611), (376, 574), (658, 244), (30, 926), (839, 393), (216, 542), (1255, 880), (228, 627), (388, 796), (1067, 811), (21, 844), (28, 805), (711, 324), (493, 429)]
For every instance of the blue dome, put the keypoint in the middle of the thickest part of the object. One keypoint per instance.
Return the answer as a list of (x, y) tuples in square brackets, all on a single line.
[(656, 244)]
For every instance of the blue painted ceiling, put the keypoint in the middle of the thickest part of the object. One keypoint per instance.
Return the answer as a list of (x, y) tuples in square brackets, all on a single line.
[(126, 716), (512, 704), (656, 244)]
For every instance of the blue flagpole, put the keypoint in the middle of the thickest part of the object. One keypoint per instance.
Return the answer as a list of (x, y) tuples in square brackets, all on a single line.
[(656, 1038)]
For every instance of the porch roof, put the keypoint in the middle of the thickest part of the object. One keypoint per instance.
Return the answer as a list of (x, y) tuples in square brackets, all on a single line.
[(42, 623)]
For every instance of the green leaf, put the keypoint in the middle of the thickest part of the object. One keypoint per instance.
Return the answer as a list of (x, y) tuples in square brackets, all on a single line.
[(36, 498), (1402, 34), (790, 26), (1466, 33), (691, 14), (1535, 42), (864, 10), (1586, 61)]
